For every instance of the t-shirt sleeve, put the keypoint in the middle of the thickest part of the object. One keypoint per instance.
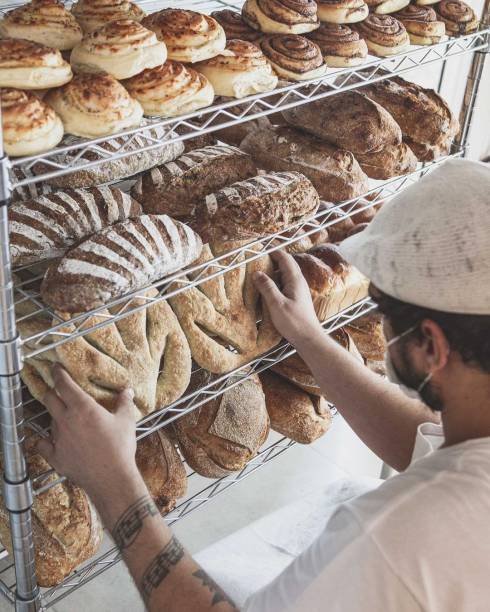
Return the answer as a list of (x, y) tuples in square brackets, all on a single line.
[(342, 571)]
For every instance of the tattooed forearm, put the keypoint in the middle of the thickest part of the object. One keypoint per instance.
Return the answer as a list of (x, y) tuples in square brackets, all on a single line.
[(218, 594), (130, 524), (160, 568)]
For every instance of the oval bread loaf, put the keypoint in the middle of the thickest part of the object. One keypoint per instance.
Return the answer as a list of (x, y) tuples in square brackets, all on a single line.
[(119, 259)]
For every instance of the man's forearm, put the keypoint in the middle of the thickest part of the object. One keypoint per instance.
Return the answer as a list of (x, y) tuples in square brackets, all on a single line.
[(383, 417), (165, 574)]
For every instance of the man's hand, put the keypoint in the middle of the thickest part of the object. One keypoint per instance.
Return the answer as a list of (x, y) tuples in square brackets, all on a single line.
[(88, 444), (291, 309)]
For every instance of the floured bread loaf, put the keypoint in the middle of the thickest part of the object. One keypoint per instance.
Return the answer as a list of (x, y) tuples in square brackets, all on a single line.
[(334, 173), (121, 258), (174, 188), (162, 470), (219, 317), (46, 22), (334, 284), (293, 412), (94, 14), (47, 226), (367, 333), (146, 351), (66, 529), (392, 160), (224, 434), (256, 207)]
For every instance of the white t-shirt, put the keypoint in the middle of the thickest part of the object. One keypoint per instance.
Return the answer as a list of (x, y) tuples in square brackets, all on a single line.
[(419, 542)]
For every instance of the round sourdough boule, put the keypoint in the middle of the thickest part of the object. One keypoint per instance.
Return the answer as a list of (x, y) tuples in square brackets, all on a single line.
[(340, 45), (29, 65), (293, 412), (189, 36), (293, 57), (121, 48), (93, 105), (342, 11), (94, 14), (46, 22), (29, 125), (384, 35), (240, 70), (281, 16), (224, 434), (235, 27)]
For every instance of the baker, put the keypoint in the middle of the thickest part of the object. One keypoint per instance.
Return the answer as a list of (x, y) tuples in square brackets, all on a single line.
[(420, 541)]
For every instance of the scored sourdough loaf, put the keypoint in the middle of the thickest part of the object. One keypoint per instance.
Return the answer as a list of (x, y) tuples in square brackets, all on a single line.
[(255, 207), (334, 173), (146, 351), (65, 526), (162, 470), (293, 412), (224, 434), (121, 258), (173, 188), (390, 161), (348, 120), (367, 333), (334, 284), (45, 227)]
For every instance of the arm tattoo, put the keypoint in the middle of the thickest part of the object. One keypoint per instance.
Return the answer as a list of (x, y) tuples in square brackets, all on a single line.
[(218, 594), (160, 568), (130, 523)]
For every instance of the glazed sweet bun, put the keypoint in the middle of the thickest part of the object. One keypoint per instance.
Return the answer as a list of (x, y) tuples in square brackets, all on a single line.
[(94, 14), (189, 36), (121, 48), (29, 65), (458, 17), (43, 21), (422, 25), (342, 11), (240, 70), (293, 57), (170, 89), (340, 45), (281, 16), (384, 35), (94, 105), (235, 27), (29, 125)]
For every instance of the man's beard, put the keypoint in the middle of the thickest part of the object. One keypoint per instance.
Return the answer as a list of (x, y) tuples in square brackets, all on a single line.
[(410, 378)]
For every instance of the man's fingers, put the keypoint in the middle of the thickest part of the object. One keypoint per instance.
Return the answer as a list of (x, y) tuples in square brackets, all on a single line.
[(68, 390), (288, 266), (267, 288), (46, 449), (54, 405)]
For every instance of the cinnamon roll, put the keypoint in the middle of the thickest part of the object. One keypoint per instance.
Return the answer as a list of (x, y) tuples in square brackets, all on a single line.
[(293, 57), (422, 25), (342, 11), (384, 35), (240, 70), (340, 45), (281, 16), (94, 14), (43, 21), (93, 105), (235, 27), (170, 90), (122, 48), (29, 65), (29, 125), (458, 17), (189, 36), (386, 7)]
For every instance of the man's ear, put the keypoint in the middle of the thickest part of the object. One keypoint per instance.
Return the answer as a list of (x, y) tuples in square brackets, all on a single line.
[(436, 345)]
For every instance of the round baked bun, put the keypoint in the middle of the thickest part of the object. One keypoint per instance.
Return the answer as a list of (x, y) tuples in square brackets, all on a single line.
[(95, 105), (425, 2), (458, 17), (384, 35), (238, 71), (293, 57), (340, 45), (94, 14), (29, 65), (281, 16), (170, 90), (43, 21), (29, 125), (422, 24), (189, 36), (235, 27), (342, 11), (121, 48), (391, 6)]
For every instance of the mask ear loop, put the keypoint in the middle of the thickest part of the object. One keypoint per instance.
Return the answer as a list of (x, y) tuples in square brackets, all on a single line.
[(402, 335), (424, 382)]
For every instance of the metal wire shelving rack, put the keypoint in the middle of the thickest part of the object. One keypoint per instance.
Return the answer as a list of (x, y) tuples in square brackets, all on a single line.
[(21, 590)]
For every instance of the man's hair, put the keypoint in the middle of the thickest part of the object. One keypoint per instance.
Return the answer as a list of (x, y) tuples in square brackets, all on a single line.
[(468, 335)]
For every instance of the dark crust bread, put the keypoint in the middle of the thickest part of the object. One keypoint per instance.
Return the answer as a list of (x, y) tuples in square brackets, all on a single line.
[(367, 333), (348, 120), (427, 152), (390, 161), (334, 173)]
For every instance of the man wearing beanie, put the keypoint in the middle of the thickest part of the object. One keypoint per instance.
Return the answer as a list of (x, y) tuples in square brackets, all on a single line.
[(420, 542)]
